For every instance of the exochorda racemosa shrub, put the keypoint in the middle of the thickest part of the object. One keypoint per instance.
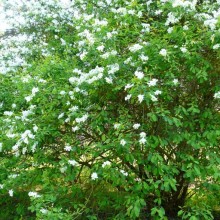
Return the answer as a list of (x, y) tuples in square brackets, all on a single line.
[(109, 109)]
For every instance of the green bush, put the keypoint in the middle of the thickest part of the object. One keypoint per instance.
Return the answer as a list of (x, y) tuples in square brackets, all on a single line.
[(110, 109)]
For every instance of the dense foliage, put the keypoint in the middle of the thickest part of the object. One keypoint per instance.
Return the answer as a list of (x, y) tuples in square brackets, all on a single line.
[(110, 109)]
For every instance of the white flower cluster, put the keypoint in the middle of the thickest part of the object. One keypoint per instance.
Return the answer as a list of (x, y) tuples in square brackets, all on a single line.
[(106, 163), (217, 95), (72, 162), (34, 194)]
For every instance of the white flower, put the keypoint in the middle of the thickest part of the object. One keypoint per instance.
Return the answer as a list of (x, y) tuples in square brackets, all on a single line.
[(140, 98), (28, 98), (144, 58), (43, 211), (216, 46), (62, 92), (67, 148), (153, 98), (183, 49), (163, 52), (35, 128), (61, 115), (63, 42), (11, 192), (185, 28), (170, 29), (82, 119), (175, 81), (142, 134), (72, 162), (35, 90), (33, 194), (124, 173), (74, 129), (116, 126), (123, 142), (106, 163), (74, 108), (128, 86), (152, 82), (108, 80), (8, 113), (217, 95), (136, 126), (139, 74), (135, 47), (63, 169), (100, 48), (13, 105), (0, 147), (128, 97), (142, 141), (158, 12), (94, 176), (1, 186), (157, 92)]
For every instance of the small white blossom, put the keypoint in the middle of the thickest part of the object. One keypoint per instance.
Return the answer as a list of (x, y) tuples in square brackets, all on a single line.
[(74, 129), (128, 97), (35, 128), (116, 126), (142, 141), (72, 162), (33, 194), (124, 173), (183, 49), (0, 147), (142, 134), (63, 169), (67, 148), (152, 82), (128, 86), (61, 115), (123, 142), (185, 28), (1, 186), (108, 80), (163, 52), (100, 48), (11, 192), (63, 42), (8, 113), (144, 58), (175, 81), (35, 90), (29, 98), (139, 75), (157, 92), (62, 92), (13, 105), (158, 12), (140, 98), (153, 98), (170, 29), (106, 163), (217, 95), (216, 46), (135, 47), (94, 176), (136, 126), (82, 119), (43, 211)]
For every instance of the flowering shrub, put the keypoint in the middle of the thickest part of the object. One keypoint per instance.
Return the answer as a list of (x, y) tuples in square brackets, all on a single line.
[(110, 109)]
